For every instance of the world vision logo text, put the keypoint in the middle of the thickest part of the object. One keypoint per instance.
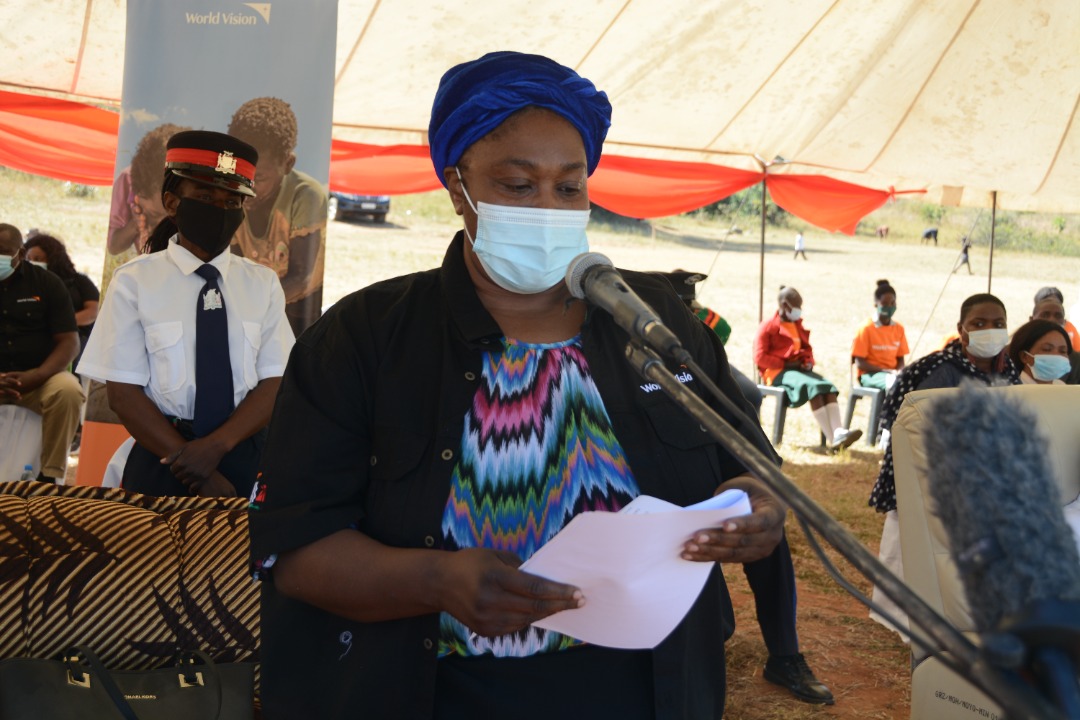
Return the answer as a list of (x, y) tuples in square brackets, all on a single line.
[(219, 17)]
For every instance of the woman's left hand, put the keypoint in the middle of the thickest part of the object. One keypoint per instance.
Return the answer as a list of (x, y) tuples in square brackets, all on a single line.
[(741, 539)]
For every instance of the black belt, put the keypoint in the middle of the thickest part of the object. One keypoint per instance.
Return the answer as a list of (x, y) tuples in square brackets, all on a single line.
[(185, 427)]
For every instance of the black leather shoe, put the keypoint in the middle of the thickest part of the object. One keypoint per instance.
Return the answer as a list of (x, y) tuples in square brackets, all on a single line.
[(792, 672)]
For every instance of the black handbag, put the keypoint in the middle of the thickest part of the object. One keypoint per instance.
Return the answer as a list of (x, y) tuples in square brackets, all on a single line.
[(78, 687)]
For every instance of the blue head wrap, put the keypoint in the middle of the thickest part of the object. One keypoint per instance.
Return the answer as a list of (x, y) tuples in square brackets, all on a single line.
[(476, 97)]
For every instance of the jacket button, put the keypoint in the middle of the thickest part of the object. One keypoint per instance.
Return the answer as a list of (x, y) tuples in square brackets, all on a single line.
[(447, 454), (470, 375), (374, 460), (429, 541), (428, 644)]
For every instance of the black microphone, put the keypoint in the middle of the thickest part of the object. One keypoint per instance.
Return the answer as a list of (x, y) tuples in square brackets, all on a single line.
[(993, 490), (592, 276)]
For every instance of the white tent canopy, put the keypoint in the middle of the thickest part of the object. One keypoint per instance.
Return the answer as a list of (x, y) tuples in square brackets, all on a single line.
[(964, 97)]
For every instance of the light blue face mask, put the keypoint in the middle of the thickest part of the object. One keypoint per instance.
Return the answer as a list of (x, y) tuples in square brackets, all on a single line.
[(1050, 367), (526, 250), (5, 267), (42, 265)]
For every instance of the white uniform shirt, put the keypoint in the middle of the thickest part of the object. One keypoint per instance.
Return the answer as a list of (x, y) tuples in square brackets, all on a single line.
[(145, 333)]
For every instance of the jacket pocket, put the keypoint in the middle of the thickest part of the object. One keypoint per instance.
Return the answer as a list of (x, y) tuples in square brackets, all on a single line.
[(168, 367), (688, 455), (397, 502), (252, 343)]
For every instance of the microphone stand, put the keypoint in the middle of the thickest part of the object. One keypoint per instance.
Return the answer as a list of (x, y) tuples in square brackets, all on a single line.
[(1006, 688)]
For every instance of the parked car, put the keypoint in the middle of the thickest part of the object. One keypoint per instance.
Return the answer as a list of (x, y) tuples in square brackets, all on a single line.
[(342, 206)]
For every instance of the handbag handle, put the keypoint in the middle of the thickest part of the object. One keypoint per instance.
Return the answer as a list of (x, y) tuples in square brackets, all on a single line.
[(185, 664), (77, 652), (185, 661)]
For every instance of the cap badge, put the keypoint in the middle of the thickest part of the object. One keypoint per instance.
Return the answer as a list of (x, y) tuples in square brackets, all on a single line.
[(226, 163)]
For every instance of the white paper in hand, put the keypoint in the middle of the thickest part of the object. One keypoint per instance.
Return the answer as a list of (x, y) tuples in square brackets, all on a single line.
[(637, 587)]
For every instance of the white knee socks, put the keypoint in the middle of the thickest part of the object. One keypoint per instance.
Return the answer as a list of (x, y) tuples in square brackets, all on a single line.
[(834, 418), (824, 420)]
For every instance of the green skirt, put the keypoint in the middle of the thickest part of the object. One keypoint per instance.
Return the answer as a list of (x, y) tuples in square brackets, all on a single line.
[(802, 385), (874, 380)]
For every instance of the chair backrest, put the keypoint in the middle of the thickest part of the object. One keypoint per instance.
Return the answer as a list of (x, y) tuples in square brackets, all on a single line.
[(20, 438), (928, 568)]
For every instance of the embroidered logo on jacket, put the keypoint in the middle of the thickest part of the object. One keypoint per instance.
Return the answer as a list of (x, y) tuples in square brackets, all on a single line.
[(683, 377)]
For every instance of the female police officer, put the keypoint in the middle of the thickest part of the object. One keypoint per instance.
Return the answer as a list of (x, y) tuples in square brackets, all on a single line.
[(192, 340)]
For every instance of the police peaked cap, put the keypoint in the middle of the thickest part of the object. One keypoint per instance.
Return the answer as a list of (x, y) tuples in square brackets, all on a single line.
[(684, 282), (214, 159)]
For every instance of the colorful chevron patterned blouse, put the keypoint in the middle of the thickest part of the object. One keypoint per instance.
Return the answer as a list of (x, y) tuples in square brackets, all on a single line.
[(538, 448)]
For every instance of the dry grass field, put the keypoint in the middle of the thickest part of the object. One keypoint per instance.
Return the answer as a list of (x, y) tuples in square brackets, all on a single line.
[(865, 665)]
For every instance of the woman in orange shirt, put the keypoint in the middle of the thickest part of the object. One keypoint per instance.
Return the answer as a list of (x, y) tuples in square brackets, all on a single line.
[(881, 344)]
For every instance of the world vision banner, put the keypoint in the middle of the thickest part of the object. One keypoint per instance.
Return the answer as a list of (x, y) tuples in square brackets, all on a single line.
[(261, 71)]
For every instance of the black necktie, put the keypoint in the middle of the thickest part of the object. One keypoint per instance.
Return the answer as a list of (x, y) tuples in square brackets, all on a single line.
[(213, 371)]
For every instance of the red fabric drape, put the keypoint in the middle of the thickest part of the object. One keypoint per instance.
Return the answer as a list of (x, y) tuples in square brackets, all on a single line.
[(77, 142), (360, 169), (58, 138), (656, 188), (826, 202)]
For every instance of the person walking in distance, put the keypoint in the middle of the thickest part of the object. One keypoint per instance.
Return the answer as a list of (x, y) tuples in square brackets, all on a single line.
[(800, 246), (964, 259)]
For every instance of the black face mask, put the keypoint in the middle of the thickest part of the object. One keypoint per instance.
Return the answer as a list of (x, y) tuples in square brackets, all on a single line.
[(206, 225)]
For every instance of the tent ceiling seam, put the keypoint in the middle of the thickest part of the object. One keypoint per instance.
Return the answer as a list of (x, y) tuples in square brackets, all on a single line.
[(926, 81), (1061, 144), (775, 70), (82, 45), (600, 38), (865, 70), (359, 39)]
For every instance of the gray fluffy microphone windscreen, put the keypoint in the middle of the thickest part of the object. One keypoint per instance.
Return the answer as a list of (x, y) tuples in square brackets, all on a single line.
[(991, 483)]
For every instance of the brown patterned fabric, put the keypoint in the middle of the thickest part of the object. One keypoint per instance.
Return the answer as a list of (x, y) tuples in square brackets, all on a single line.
[(132, 577)]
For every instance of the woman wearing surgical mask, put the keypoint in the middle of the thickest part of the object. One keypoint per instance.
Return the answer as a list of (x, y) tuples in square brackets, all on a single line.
[(434, 430), (881, 344), (49, 253), (785, 359), (1041, 349), (978, 355)]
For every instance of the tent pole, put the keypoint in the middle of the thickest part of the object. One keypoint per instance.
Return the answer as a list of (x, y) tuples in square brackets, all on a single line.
[(993, 226), (761, 268)]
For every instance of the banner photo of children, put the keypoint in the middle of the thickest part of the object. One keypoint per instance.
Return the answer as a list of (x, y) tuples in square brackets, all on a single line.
[(224, 65)]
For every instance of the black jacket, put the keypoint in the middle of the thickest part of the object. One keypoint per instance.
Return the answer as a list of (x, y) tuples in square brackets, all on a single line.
[(365, 433)]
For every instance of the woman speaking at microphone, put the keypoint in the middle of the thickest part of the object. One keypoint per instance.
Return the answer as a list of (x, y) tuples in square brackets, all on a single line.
[(434, 430)]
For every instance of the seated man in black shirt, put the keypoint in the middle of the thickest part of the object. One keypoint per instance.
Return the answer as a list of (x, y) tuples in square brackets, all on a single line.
[(40, 339)]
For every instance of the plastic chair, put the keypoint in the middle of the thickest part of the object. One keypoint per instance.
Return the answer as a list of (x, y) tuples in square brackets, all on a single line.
[(877, 399), (780, 417), (20, 436)]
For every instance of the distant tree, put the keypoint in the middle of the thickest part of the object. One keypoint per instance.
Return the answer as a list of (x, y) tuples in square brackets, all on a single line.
[(744, 204), (932, 213)]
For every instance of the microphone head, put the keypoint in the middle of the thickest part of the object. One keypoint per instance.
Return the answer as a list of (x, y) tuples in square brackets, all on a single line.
[(579, 266), (994, 492)]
